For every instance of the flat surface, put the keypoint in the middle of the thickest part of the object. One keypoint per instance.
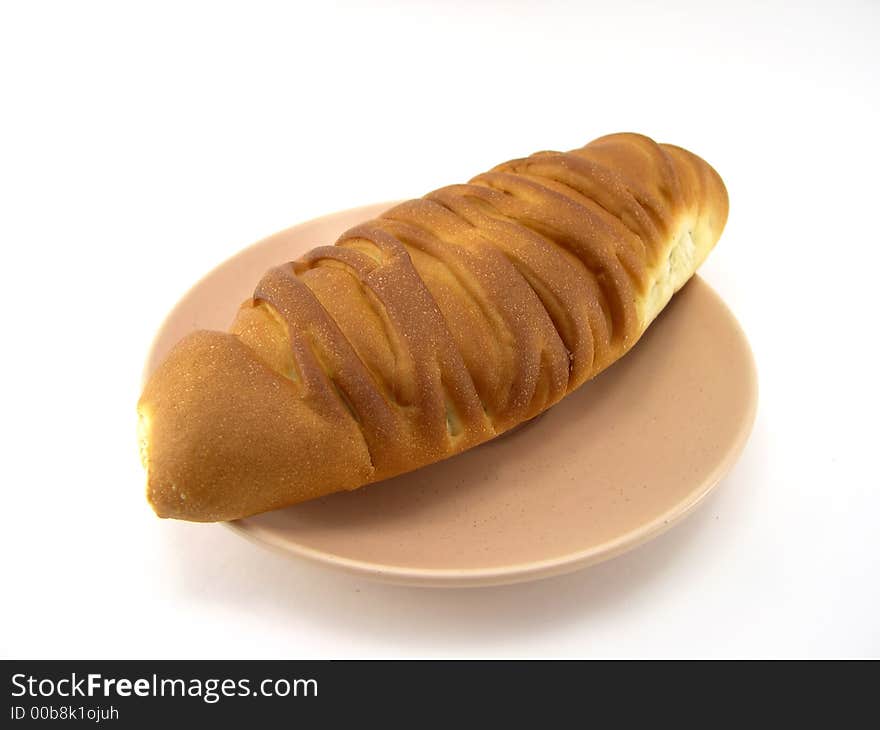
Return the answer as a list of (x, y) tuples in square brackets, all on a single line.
[(141, 146), (614, 464)]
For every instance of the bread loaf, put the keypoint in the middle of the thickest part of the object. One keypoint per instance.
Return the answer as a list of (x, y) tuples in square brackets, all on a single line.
[(438, 325)]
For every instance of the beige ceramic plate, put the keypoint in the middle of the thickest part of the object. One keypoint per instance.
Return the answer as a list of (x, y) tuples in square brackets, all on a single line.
[(612, 465)]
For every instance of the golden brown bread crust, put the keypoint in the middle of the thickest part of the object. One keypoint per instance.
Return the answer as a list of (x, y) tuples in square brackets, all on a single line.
[(442, 323)]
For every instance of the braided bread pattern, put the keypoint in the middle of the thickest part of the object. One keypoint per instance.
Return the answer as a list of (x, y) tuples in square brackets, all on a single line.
[(444, 322)]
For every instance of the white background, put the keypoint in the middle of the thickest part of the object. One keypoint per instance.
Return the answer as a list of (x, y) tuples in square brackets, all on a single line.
[(140, 145)]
